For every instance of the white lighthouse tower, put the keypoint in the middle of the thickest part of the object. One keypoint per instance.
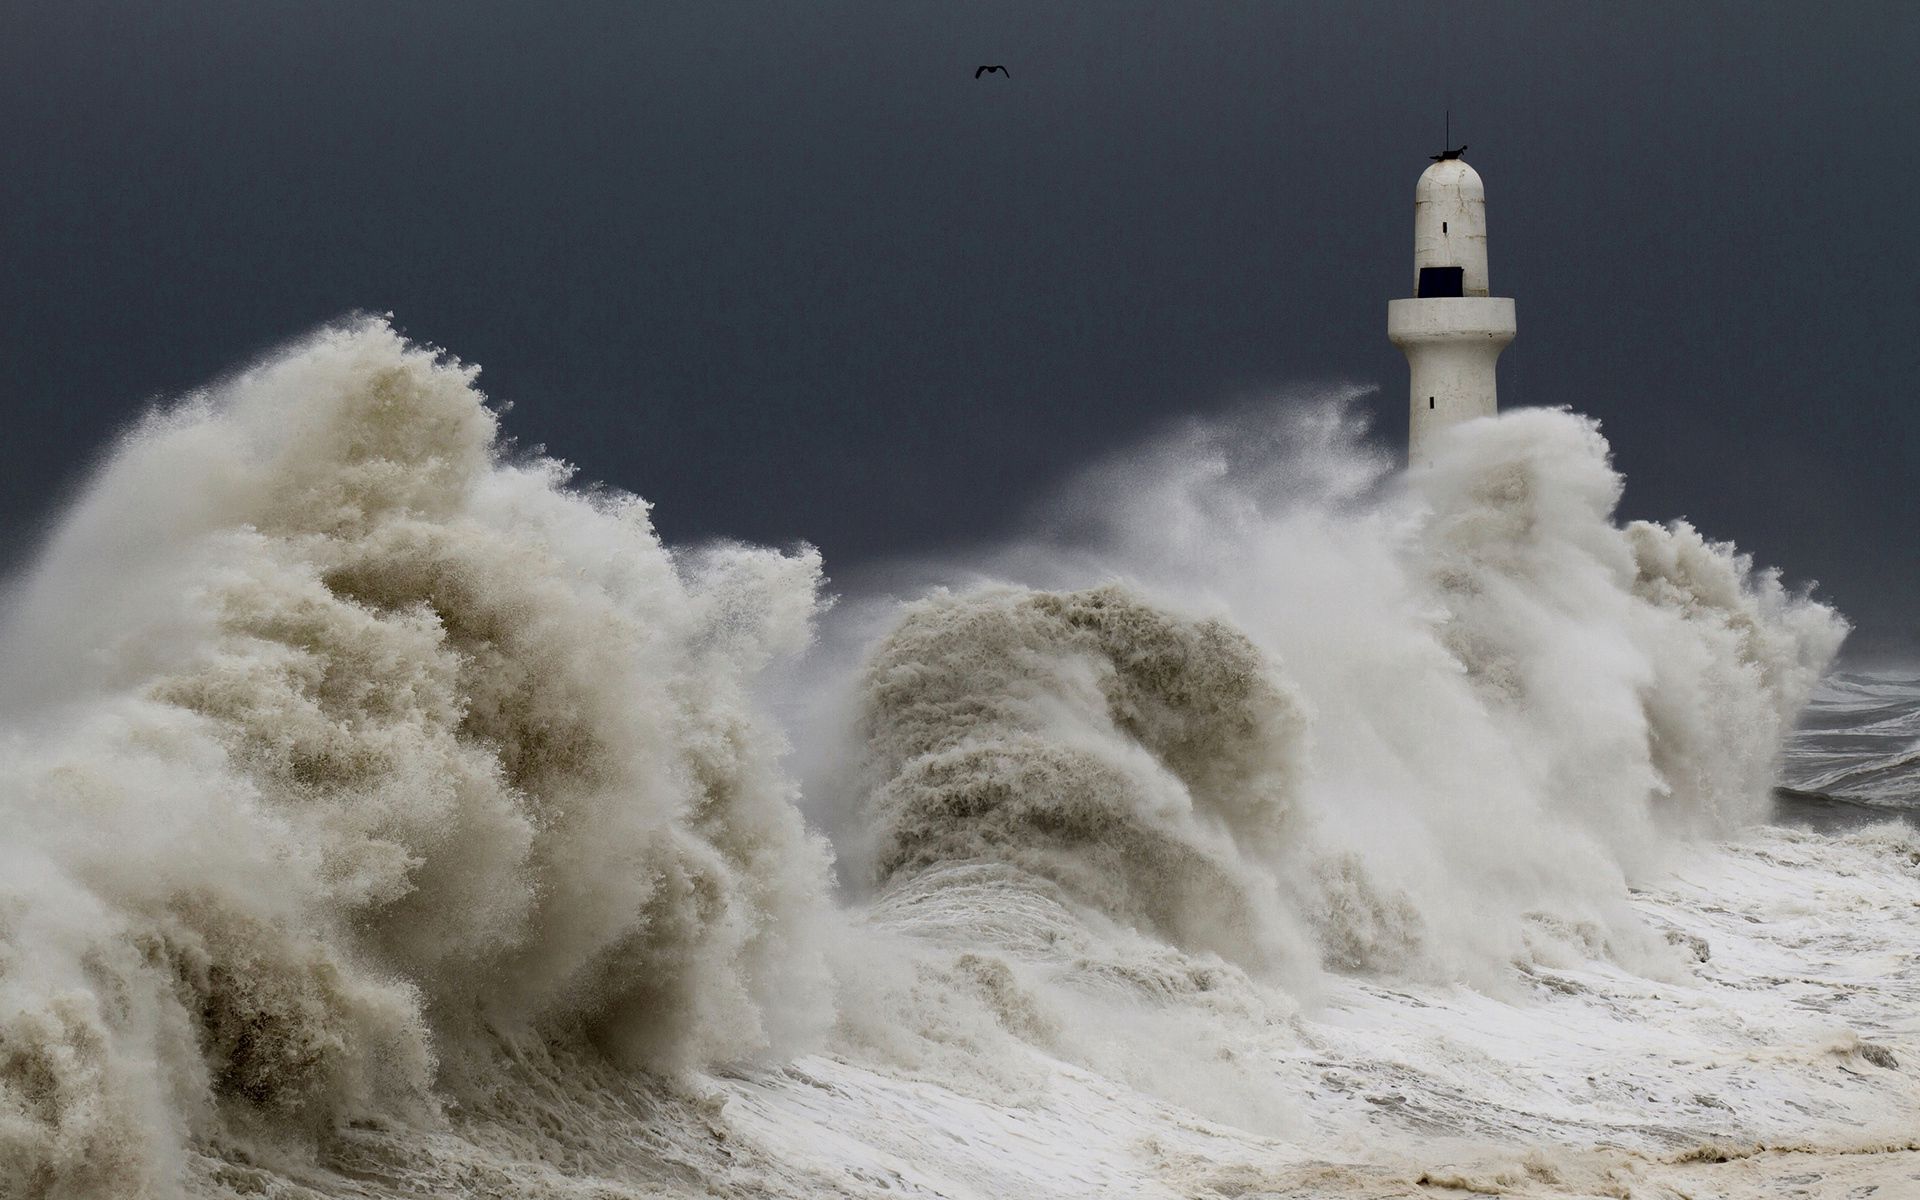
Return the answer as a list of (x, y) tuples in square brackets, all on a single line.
[(1452, 331)]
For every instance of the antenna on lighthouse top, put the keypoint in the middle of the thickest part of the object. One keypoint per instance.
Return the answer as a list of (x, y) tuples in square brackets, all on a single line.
[(1447, 149)]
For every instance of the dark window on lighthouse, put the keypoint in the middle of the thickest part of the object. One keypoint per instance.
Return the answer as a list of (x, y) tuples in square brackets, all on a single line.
[(1429, 401), (1440, 281)]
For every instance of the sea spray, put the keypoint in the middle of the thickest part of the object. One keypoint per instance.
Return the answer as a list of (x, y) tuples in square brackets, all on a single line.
[(1482, 705), (347, 746), (1655, 674), (387, 816)]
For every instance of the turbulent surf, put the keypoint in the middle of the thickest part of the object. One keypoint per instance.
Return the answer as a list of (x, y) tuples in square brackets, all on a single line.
[(390, 815)]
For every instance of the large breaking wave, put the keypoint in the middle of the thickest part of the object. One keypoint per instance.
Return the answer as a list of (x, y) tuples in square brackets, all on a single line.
[(345, 749), (1428, 726), (363, 775)]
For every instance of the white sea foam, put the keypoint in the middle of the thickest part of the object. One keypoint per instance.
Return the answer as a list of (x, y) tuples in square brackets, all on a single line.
[(344, 750), (1439, 713), (389, 817)]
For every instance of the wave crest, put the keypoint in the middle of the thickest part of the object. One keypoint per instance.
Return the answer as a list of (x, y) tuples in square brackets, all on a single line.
[(394, 746), (1139, 759)]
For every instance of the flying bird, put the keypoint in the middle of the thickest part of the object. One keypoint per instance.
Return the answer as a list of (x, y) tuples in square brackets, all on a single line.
[(985, 70), (1444, 155)]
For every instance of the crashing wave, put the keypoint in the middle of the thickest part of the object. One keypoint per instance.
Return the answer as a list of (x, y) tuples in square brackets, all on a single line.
[(378, 799), (343, 745)]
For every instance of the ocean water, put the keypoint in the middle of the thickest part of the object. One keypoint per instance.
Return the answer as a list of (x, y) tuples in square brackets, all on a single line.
[(389, 816), (1856, 752)]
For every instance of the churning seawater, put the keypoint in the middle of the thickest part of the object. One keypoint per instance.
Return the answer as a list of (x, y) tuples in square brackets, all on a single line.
[(388, 816)]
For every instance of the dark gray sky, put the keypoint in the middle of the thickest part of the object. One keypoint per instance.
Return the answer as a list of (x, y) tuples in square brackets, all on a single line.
[(789, 271)]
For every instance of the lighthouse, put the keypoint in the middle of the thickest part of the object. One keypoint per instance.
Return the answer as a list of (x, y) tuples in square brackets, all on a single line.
[(1452, 330)]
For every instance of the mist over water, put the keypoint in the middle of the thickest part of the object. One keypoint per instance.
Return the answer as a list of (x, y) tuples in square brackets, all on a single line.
[(385, 807)]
